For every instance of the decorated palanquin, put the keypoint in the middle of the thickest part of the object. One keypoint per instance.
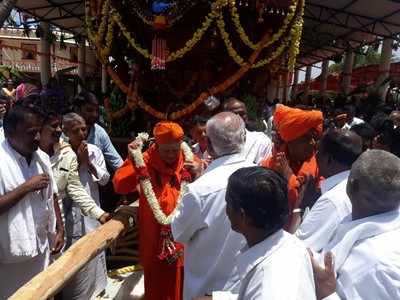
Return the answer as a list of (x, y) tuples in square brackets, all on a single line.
[(169, 57)]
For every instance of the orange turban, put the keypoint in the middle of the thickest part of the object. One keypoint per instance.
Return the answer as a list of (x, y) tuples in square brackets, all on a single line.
[(167, 132), (292, 123)]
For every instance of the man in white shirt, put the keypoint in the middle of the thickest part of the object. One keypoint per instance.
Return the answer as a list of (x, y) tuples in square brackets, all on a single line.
[(258, 144), (92, 172), (75, 201), (365, 248), (337, 151), (201, 222), (352, 120), (30, 220), (274, 264)]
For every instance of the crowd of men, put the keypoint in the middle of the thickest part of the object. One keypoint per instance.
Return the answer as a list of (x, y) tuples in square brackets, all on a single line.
[(307, 209)]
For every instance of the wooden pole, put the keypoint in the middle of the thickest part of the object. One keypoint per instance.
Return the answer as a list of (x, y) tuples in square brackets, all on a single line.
[(45, 64), (324, 77), (47, 283), (384, 66), (307, 83), (347, 71)]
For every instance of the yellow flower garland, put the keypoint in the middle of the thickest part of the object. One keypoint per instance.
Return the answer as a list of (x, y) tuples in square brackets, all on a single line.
[(296, 32), (109, 39), (275, 37), (228, 44), (89, 24), (117, 18), (215, 14), (197, 36), (236, 57), (102, 27)]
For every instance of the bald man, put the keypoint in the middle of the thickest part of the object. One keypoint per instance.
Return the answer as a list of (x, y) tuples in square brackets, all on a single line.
[(337, 150), (258, 145), (365, 248), (202, 224)]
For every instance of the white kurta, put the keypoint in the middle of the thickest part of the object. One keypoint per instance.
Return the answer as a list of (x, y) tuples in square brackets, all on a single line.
[(92, 279), (27, 227), (367, 258), (320, 224), (356, 121), (277, 268), (258, 146), (203, 226), (91, 182)]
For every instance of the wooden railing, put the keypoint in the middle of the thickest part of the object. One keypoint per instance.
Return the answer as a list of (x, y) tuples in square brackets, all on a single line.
[(47, 283)]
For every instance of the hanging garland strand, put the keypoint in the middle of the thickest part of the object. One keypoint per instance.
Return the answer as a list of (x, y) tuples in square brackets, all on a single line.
[(117, 18), (189, 45), (216, 14), (200, 99), (275, 37), (296, 32), (237, 58), (104, 20)]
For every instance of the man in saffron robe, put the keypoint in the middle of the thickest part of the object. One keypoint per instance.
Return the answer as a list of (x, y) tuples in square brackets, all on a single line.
[(166, 166), (293, 153)]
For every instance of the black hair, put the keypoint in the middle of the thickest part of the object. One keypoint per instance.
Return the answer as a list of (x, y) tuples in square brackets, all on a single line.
[(252, 125), (84, 98), (19, 114), (340, 147), (378, 121), (199, 120), (349, 108), (263, 195), (364, 130)]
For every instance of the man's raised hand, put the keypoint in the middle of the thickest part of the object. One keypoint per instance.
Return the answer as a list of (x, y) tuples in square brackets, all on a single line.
[(38, 182)]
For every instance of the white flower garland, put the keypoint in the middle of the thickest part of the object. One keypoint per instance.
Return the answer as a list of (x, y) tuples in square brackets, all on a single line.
[(145, 183)]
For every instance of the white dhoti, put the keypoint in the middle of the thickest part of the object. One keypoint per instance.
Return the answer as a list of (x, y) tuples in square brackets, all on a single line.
[(15, 275), (89, 282)]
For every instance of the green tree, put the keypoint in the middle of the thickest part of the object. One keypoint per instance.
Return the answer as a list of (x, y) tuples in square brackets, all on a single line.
[(365, 56), (5, 9)]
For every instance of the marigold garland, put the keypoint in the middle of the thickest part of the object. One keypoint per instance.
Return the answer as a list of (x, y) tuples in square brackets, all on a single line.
[(200, 99), (189, 45), (215, 14), (88, 20), (109, 39), (275, 37), (237, 58), (228, 44), (117, 18), (296, 32), (104, 20)]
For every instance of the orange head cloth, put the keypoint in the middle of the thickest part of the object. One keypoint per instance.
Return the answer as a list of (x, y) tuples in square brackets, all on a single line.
[(167, 132), (292, 123)]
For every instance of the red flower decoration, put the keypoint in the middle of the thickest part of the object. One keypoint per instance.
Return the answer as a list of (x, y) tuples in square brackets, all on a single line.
[(186, 176)]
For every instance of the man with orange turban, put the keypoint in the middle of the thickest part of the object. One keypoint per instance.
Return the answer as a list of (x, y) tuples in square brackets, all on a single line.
[(294, 150), (166, 169)]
